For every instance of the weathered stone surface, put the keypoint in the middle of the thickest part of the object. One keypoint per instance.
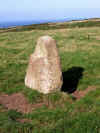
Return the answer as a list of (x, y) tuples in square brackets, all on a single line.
[(44, 70)]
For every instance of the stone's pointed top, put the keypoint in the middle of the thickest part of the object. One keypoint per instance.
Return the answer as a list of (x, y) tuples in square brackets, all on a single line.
[(45, 39), (45, 45)]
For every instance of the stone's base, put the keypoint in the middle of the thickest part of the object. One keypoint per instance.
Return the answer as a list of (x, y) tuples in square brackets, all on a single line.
[(44, 70)]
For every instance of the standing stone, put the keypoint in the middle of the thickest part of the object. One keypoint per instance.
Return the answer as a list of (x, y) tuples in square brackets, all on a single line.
[(44, 70)]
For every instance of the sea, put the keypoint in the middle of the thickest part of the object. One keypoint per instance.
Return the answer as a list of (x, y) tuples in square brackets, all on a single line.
[(9, 24)]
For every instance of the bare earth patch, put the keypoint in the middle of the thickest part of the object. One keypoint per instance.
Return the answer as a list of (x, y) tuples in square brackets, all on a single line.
[(80, 94), (18, 102)]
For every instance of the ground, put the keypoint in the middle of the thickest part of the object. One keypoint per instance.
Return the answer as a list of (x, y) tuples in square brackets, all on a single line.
[(75, 109)]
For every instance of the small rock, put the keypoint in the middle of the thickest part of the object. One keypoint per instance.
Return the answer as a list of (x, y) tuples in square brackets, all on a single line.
[(44, 70)]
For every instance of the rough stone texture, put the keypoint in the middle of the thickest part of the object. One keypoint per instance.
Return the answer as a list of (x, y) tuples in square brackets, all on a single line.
[(44, 70)]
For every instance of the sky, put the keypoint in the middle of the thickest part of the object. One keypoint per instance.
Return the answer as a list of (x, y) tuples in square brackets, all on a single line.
[(13, 10)]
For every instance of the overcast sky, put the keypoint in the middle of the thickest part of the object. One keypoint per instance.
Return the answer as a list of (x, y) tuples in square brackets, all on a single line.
[(38, 9)]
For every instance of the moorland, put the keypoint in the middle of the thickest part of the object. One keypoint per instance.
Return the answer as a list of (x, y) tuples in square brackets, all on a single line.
[(76, 108)]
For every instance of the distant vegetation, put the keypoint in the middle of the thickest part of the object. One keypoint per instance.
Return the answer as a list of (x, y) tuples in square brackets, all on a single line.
[(51, 26), (74, 109)]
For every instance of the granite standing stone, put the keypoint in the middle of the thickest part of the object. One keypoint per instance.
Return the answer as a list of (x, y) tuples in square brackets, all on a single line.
[(44, 70)]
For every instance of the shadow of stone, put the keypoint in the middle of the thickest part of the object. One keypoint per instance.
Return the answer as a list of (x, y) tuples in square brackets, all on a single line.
[(71, 78)]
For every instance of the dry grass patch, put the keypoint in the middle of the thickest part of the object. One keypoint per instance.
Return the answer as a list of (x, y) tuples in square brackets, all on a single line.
[(69, 48)]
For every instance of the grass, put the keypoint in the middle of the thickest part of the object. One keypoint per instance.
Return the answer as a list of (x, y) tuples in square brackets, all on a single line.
[(79, 48)]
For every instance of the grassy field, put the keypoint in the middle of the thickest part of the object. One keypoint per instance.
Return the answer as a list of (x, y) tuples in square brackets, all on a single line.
[(79, 49)]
